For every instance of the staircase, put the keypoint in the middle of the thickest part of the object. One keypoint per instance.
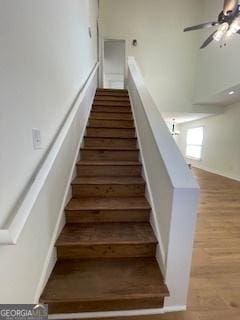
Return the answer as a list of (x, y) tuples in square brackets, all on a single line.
[(106, 251)]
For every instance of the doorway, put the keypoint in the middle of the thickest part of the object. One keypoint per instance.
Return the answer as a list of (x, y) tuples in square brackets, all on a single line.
[(114, 64)]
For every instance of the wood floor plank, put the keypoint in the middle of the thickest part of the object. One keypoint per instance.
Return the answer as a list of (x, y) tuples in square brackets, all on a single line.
[(167, 316)]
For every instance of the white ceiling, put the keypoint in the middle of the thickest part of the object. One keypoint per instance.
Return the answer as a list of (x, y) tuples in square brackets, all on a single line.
[(223, 98)]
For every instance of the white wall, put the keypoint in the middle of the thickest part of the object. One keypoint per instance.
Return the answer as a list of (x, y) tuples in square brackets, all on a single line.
[(218, 69), (46, 54), (167, 56), (221, 149)]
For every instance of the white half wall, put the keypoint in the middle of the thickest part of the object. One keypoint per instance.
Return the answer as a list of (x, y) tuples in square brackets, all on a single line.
[(221, 146), (172, 190), (46, 55)]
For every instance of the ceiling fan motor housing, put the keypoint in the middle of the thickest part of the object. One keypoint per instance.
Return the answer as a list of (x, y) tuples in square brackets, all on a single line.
[(230, 7)]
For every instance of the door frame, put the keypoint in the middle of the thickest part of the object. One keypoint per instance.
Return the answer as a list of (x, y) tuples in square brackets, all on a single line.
[(101, 67)]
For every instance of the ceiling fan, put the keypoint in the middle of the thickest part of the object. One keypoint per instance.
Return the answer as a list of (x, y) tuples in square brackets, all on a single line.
[(228, 23)]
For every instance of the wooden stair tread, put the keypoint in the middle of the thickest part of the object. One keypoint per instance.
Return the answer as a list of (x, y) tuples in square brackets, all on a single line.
[(110, 128), (111, 98), (112, 120), (109, 123), (113, 148), (118, 116), (99, 90), (112, 94), (108, 163), (112, 103), (106, 117), (104, 279), (132, 203), (110, 138), (109, 110), (108, 180), (106, 233), (111, 89), (109, 94)]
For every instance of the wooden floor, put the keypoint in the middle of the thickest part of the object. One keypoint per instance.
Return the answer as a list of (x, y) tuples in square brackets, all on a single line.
[(215, 278)]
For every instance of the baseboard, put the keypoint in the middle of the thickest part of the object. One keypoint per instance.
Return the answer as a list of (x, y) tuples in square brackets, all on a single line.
[(114, 314), (214, 171), (175, 309)]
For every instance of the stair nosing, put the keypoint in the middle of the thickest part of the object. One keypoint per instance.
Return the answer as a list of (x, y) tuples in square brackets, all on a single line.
[(110, 148), (109, 164), (111, 111), (74, 183), (91, 207), (106, 209), (125, 112), (97, 127), (110, 105), (99, 243), (110, 298), (117, 120), (107, 119), (119, 138), (112, 99)]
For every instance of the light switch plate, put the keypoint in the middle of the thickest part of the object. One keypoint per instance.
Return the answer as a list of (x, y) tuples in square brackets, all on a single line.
[(37, 139)]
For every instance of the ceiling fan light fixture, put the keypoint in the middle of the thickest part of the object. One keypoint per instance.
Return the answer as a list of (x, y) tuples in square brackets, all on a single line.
[(218, 35), (222, 29)]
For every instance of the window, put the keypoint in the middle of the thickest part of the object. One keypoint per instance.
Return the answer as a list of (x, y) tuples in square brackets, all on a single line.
[(194, 143)]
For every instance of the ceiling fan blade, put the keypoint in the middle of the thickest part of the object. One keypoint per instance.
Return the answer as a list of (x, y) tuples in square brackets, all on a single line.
[(208, 40), (202, 26), (238, 31)]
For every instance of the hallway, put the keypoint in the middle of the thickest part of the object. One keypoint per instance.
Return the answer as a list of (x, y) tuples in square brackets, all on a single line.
[(215, 278)]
